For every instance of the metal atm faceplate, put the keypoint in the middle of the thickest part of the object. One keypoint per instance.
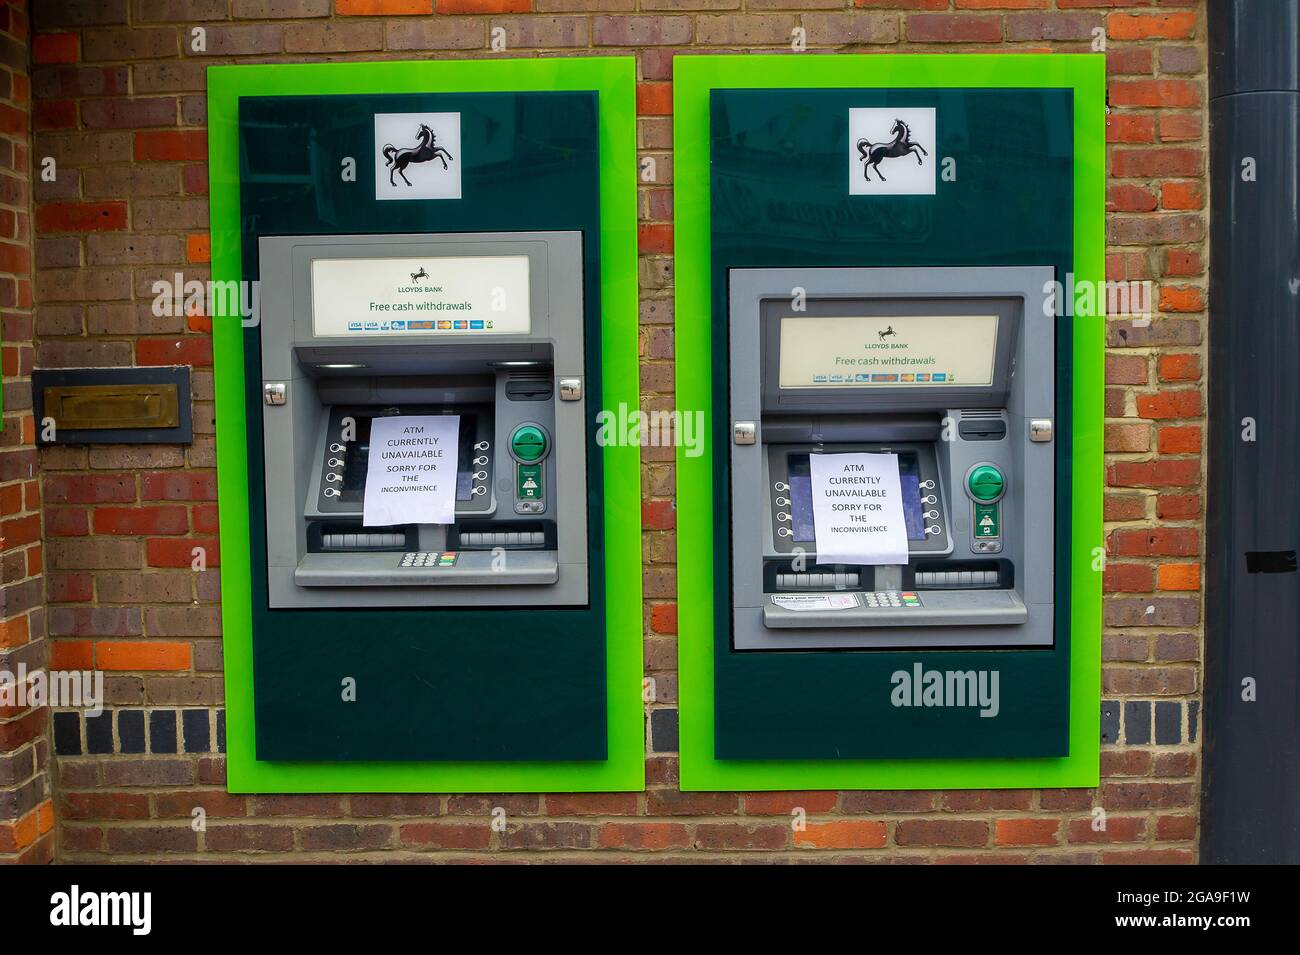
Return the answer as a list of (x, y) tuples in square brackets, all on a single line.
[(520, 535), (957, 589)]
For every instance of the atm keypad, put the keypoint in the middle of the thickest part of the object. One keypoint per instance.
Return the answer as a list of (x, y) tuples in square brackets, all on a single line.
[(891, 599), (429, 558)]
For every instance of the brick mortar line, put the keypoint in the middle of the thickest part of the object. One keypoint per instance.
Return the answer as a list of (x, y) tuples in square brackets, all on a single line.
[(589, 853), (890, 816)]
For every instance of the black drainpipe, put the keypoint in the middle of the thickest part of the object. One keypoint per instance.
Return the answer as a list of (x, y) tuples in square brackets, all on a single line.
[(1250, 797)]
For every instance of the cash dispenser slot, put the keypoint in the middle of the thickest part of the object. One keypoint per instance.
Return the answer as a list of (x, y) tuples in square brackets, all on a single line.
[(522, 535), (338, 536), (818, 580), (963, 575)]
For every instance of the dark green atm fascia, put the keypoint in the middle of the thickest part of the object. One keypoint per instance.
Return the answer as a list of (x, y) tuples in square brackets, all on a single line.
[(823, 226), (598, 671)]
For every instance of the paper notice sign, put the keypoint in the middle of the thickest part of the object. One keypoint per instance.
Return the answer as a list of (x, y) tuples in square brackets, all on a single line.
[(858, 509), (411, 472), (815, 601)]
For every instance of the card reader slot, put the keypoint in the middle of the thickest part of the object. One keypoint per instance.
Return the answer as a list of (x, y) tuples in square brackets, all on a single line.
[(529, 389), (982, 430)]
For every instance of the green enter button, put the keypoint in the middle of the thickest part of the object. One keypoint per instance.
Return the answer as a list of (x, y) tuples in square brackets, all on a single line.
[(986, 483), (528, 443)]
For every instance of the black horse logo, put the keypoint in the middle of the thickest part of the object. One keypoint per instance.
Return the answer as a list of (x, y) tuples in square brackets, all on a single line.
[(416, 276), (887, 333), (901, 145), (424, 150)]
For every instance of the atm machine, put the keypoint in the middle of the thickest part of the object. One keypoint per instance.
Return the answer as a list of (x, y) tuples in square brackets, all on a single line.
[(430, 568), (462, 613), (949, 369), (903, 495), (353, 333)]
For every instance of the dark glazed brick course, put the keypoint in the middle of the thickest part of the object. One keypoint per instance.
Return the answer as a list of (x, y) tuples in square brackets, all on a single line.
[(130, 731), (1137, 722)]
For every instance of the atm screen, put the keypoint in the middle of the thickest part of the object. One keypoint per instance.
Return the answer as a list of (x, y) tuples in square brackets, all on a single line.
[(357, 458), (801, 507), (897, 351)]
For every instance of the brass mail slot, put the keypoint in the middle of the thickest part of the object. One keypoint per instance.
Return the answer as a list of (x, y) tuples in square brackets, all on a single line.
[(128, 405)]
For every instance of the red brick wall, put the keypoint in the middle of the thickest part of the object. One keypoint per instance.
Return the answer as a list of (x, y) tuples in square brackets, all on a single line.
[(26, 810), (119, 102)]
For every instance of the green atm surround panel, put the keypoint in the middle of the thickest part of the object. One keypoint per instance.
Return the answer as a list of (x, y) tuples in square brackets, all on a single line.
[(515, 698), (783, 717)]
